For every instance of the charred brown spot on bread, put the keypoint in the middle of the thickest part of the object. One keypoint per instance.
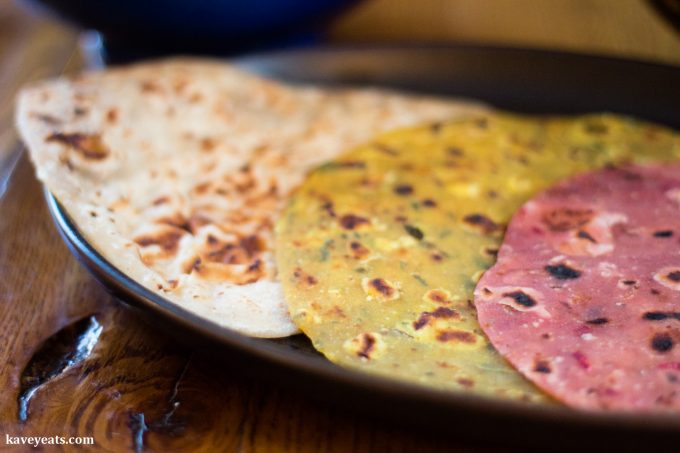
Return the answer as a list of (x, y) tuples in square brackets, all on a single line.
[(542, 366), (454, 151), (438, 296), (358, 250), (89, 146), (565, 219), (112, 115), (437, 257), (403, 189), (177, 221), (303, 278), (242, 181), (422, 320), (179, 85), (491, 251), (161, 200), (367, 345), (328, 207), (521, 298), (382, 286), (669, 277), (202, 188), (150, 86), (193, 264), (65, 161), (439, 313), (241, 251), (660, 315), (465, 382), (367, 182), (456, 336), (336, 311), (208, 144), (663, 233), (196, 221), (655, 316), (482, 222), (562, 272), (414, 232), (255, 272), (190, 225), (662, 342), (585, 235), (251, 244), (167, 240), (255, 265), (597, 321), (195, 97), (352, 222)]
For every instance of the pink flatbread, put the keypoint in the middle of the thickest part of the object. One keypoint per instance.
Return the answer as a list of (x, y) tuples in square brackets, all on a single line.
[(584, 299)]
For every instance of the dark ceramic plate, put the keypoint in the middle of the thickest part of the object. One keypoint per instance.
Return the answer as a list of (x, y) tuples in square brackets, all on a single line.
[(521, 80)]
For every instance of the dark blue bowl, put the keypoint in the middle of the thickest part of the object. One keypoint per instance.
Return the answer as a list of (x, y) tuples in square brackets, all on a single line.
[(201, 26)]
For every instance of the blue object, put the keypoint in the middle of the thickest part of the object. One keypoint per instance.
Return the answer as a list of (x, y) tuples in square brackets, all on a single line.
[(201, 26)]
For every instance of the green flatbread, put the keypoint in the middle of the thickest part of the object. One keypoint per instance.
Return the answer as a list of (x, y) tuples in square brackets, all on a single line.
[(379, 251)]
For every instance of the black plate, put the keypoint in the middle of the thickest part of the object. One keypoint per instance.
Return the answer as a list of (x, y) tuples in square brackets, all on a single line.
[(521, 80)]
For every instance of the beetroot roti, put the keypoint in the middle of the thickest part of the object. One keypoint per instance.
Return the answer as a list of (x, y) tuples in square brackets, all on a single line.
[(585, 296)]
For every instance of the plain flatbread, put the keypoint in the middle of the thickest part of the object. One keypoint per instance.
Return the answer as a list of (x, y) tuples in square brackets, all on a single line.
[(175, 171), (585, 297)]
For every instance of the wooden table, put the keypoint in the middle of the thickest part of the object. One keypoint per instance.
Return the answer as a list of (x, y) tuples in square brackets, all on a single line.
[(139, 389), (627, 28)]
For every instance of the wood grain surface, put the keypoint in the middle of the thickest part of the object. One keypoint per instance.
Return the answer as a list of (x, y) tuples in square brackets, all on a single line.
[(626, 28), (134, 388)]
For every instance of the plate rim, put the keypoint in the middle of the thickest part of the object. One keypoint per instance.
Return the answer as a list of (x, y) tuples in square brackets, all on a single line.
[(462, 46)]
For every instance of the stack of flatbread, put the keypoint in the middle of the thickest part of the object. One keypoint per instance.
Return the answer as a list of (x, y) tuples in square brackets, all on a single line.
[(176, 171)]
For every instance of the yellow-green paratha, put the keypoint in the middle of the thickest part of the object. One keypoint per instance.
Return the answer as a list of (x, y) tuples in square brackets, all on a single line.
[(379, 251)]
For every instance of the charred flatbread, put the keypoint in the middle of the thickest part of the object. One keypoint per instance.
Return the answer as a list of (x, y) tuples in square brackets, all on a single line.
[(585, 297), (176, 170), (379, 250)]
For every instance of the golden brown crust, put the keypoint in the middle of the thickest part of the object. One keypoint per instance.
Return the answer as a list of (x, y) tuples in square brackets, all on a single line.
[(175, 171)]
